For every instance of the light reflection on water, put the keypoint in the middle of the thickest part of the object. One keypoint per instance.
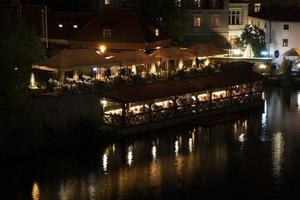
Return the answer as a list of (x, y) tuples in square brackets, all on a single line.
[(179, 162)]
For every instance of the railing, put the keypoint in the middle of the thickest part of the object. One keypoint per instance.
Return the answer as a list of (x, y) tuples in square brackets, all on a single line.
[(174, 112)]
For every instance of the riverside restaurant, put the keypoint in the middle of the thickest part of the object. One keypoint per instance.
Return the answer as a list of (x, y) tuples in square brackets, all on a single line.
[(179, 101)]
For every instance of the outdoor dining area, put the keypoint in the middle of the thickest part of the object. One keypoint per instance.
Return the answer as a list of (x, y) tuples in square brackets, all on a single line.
[(85, 70), (126, 107)]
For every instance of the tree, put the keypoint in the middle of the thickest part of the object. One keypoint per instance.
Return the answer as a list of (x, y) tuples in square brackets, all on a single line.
[(166, 14), (254, 36), (19, 49)]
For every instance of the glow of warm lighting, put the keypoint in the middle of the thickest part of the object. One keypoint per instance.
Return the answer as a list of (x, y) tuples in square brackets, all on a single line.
[(104, 162), (129, 156), (108, 57), (153, 68), (194, 62), (206, 62), (176, 148), (35, 191), (133, 69), (32, 82), (104, 102), (237, 52), (157, 48), (262, 66), (16, 68), (154, 152), (114, 148), (242, 138), (180, 65), (156, 32), (60, 25), (102, 48), (75, 26), (75, 75)]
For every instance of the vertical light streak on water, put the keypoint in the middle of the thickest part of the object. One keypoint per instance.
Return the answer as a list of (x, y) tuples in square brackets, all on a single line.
[(277, 153), (91, 187), (35, 191), (190, 145), (104, 162), (153, 151), (129, 156), (176, 148)]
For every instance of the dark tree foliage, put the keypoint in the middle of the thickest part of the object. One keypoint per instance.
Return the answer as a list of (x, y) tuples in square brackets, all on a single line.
[(254, 36), (19, 49), (165, 13)]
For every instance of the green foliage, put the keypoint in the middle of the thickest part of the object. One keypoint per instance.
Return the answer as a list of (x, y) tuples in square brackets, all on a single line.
[(166, 14), (254, 36)]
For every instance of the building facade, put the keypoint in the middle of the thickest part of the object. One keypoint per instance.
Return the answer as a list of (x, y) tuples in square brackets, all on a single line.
[(207, 21), (237, 19), (282, 31), (256, 6)]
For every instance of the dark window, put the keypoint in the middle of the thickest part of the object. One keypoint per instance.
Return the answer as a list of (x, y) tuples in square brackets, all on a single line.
[(106, 33), (285, 42), (286, 27)]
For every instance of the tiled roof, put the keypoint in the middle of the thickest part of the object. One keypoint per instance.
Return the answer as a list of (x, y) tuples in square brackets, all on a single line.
[(125, 25)]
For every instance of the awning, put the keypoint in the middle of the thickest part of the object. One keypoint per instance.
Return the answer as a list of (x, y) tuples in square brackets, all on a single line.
[(182, 86), (69, 59), (172, 53), (292, 52), (130, 58)]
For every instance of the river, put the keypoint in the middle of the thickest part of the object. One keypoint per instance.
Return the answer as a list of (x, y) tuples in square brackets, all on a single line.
[(254, 157)]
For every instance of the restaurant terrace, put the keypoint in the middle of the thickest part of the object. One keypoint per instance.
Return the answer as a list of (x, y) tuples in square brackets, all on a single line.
[(128, 107)]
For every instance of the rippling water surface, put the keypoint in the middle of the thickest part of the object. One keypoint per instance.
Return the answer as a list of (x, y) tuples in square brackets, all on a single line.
[(254, 157)]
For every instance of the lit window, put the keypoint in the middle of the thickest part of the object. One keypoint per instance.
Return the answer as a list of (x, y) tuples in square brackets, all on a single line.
[(286, 27), (257, 7), (285, 42), (156, 32), (60, 25), (197, 3), (215, 20), (197, 21), (107, 2), (106, 33), (235, 17), (75, 26)]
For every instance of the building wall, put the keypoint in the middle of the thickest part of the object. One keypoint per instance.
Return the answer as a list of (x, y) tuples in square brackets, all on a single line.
[(272, 3), (113, 3), (275, 34), (236, 30), (206, 29)]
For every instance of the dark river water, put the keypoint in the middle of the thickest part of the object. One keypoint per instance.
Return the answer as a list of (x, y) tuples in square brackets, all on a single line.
[(254, 157)]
